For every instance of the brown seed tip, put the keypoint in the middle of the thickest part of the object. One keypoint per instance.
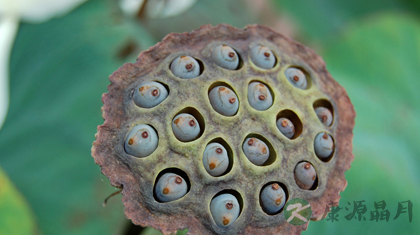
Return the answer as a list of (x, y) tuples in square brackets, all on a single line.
[(219, 150), (141, 88), (222, 88), (261, 97), (251, 141), (165, 191), (264, 150), (313, 178), (212, 166), (275, 186), (231, 54), (284, 123), (191, 122), (144, 134), (178, 180), (183, 56), (188, 66), (296, 78), (229, 205), (325, 136), (232, 100), (278, 201), (266, 54), (324, 118), (307, 166), (155, 92), (130, 141), (176, 121), (225, 221)]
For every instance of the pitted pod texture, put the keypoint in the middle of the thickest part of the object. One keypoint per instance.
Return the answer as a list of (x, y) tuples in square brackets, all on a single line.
[(189, 66)]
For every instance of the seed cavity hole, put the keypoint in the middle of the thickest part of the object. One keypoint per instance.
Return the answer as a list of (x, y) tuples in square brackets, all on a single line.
[(218, 157), (258, 150), (289, 124), (170, 185)]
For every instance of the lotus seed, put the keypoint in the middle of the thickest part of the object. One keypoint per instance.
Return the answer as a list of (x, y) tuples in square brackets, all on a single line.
[(215, 159), (273, 198), (185, 67), (286, 127), (224, 209), (324, 115), (224, 100), (170, 187), (256, 151), (141, 141), (305, 175), (225, 57), (296, 77), (262, 57), (185, 127), (259, 96), (324, 145), (149, 94)]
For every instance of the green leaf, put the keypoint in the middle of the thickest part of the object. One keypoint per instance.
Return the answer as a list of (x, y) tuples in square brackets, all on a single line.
[(58, 72), (318, 21), (378, 62), (15, 215)]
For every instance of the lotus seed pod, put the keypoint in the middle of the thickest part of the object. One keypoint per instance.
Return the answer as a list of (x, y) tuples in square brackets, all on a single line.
[(224, 209), (324, 145), (224, 100), (324, 115), (225, 57), (149, 94), (185, 67), (305, 175), (229, 124), (256, 151), (215, 159), (263, 57), (141, 141), (259, 96), (185, 127), (286, 127), (296, 77), (273, 198), (170, 187)]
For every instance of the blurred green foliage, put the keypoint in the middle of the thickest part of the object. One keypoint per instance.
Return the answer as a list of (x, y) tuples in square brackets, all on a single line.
[(59, 70), (15, 215)]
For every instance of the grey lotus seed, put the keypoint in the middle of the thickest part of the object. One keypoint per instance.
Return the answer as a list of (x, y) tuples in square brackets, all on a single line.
[(185, 127), (225, 57), (296, 77), (149, 94), (259, 96), (185, 67), (324, 115), (305, 175), (324, 145), (263, 57), (215, 159), (141, 141), (170, 187), (224, 100), (256, 151), (286, 127), (224, 209), (273, 198)]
